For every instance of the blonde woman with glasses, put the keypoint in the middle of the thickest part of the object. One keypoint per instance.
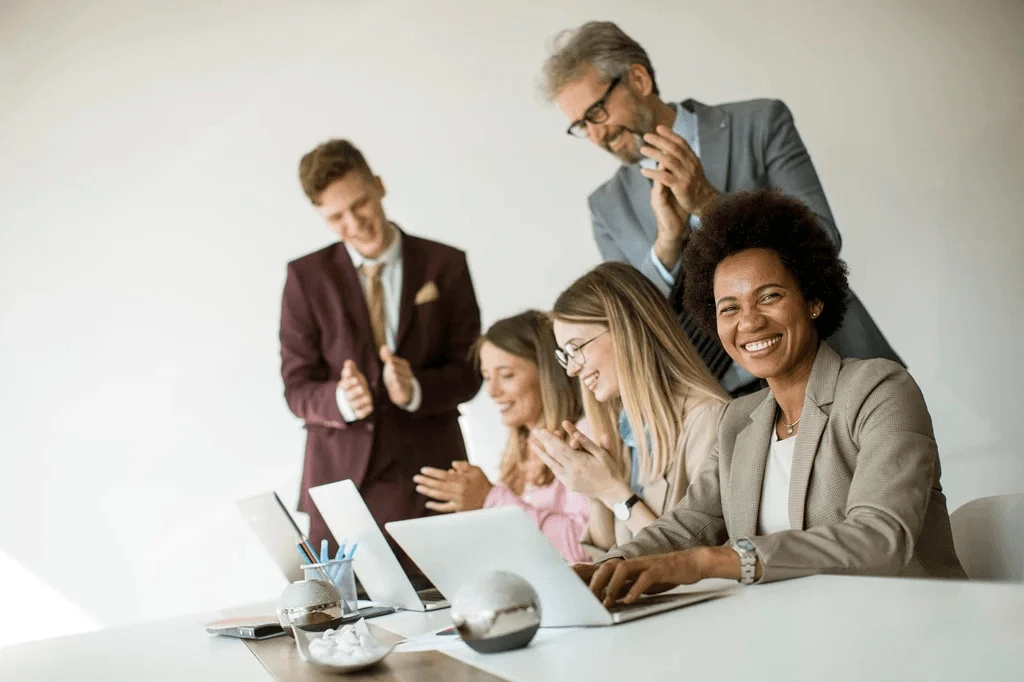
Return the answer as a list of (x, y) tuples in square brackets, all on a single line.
[(651, 404)]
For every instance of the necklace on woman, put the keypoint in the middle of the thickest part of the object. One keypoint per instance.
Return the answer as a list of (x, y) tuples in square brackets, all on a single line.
[(789, 427)]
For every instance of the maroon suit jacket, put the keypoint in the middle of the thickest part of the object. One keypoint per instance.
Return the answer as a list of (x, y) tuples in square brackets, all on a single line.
[(324, 321)]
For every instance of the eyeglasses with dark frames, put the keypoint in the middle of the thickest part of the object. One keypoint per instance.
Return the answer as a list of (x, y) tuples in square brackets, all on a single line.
[(573, 352), (595, 113)]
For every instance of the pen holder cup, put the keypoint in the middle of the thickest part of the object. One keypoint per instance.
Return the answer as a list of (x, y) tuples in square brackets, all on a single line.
[(341, 576)]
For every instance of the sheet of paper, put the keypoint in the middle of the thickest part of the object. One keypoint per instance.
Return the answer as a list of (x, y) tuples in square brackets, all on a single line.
[(435, 642)]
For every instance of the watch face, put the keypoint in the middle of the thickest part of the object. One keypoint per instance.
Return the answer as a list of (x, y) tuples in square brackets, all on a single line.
[(745, 545), (621, 511)]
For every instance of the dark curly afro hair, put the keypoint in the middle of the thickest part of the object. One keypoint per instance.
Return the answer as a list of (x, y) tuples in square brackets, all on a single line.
[(765, 219)]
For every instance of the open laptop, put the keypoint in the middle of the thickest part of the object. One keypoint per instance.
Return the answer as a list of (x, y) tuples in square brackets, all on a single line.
[(375, 564), (457, 549), (276, 531)]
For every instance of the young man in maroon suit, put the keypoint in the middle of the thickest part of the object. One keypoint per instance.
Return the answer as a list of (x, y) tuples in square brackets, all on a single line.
[(375, 338)]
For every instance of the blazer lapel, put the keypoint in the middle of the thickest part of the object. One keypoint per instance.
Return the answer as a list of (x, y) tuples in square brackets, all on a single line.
[(357, 316), (714, 126), (413, 267), (638, 191), (746, 475), (821, 388)]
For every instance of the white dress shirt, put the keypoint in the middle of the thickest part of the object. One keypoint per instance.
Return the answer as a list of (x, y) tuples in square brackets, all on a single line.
[(391, 283), (773, 515)]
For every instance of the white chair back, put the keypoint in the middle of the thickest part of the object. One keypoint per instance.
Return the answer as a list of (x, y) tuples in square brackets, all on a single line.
[(989, 537)]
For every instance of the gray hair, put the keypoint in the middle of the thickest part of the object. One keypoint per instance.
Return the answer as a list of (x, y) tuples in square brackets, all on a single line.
[(598, 44)]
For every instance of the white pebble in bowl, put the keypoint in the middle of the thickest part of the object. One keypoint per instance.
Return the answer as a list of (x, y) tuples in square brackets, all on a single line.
[(348, 649)]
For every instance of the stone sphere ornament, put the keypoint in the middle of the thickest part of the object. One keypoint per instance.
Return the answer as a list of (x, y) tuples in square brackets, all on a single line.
[(499, 611), (311, 604)]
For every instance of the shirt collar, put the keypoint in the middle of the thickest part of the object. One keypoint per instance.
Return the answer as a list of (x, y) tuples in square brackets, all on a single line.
[(685, 126), (390, 256)]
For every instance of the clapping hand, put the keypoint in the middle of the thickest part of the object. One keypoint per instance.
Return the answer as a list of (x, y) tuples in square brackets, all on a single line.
[(357, 392), (580, 463), (461, 488), (397, 377), (679, 170)]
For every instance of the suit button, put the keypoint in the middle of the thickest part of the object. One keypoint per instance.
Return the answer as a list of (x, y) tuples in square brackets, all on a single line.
[(722, 125), (369, 427)]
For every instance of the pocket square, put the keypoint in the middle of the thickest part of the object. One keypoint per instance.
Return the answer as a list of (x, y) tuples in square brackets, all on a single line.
[(427, 293)]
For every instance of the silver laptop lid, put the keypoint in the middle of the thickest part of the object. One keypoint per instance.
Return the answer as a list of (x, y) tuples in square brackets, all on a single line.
[(376, 566), (456, 549), (276, 531)]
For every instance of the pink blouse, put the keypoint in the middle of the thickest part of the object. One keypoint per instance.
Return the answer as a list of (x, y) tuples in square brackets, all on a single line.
[(561, 514)]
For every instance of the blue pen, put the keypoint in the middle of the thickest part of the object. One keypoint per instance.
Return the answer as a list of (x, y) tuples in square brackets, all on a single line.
[(352, 552), (341, 550), (302, 552), (324, 556)]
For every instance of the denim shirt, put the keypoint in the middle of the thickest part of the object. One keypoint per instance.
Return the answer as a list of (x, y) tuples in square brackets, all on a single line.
[(626, 434)]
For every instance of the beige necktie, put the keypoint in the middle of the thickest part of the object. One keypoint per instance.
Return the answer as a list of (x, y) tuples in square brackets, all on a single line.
[(375, 302)]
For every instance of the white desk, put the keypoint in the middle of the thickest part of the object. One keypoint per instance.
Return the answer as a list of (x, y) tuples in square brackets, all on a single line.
[(824, 627), (175, 650), (819, 628)]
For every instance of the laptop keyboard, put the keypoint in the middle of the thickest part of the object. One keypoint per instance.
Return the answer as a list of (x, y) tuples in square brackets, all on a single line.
[(431, 595), (619, 607)]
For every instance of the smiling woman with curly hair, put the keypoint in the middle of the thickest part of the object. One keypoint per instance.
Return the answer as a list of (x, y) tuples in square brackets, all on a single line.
[(832, 468), (767, 220)]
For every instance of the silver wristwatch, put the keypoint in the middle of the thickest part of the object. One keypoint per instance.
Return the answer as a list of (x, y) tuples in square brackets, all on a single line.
[(623, 510), (748, 559)]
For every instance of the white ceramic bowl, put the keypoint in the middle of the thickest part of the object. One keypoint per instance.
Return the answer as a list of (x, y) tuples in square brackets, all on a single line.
[(303, 638)]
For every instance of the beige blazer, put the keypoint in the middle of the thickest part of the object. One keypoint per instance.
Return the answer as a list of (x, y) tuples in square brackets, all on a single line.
[(696, 443), (864, 493)]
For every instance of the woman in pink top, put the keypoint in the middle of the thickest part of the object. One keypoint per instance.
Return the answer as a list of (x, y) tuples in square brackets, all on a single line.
[(517, 359)]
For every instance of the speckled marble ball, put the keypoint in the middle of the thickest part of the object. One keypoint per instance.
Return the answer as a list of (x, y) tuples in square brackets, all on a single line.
[(497, 612)]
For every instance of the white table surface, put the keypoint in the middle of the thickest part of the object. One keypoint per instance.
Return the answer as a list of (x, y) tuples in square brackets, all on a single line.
[(173, 650), (818, 628)]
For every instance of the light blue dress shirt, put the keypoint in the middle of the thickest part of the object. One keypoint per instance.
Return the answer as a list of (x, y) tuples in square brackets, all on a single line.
[(685, 126), (629, 440)]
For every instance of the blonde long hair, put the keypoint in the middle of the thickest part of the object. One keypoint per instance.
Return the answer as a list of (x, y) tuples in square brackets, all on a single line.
[(528, 335), (659, 369)]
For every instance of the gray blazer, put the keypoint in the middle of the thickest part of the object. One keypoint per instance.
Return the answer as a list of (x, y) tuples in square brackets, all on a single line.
[(743, 146), (864, 493)]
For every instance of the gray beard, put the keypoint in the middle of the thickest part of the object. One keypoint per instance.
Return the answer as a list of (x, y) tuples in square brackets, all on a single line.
[(644, 124)]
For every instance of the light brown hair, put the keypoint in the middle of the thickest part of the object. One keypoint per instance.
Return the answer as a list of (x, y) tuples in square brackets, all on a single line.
[(528, 335), (328, 162)]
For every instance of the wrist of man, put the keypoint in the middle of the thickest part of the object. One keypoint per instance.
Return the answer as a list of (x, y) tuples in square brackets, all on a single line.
[(415, 396), (668, 251), (706, 201)]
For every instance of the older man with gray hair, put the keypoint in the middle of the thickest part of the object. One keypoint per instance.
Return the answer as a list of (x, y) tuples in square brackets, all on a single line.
[(677, 158)]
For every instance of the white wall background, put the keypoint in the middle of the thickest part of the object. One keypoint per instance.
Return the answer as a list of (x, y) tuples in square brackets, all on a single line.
[(149, 203)]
